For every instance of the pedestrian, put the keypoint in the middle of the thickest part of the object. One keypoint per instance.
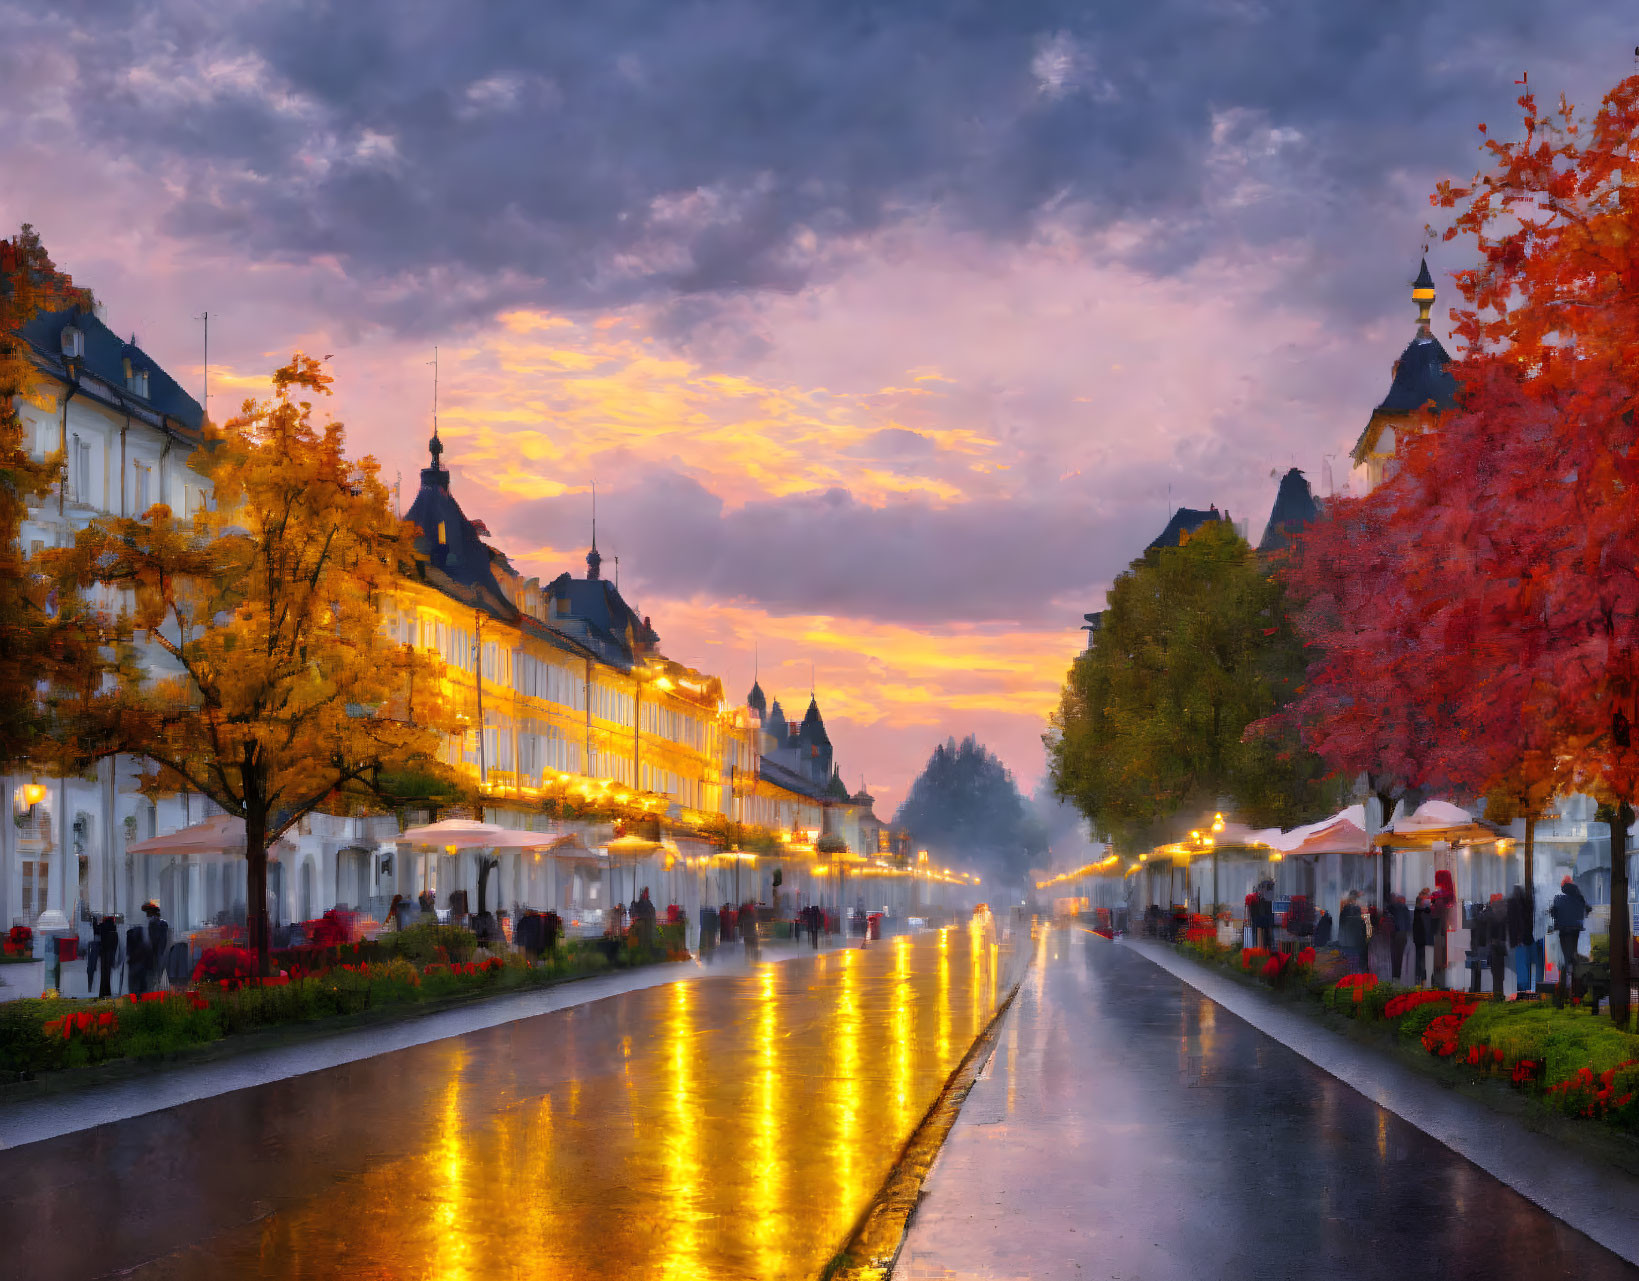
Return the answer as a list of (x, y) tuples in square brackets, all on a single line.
[(643, 918), (1496, 942), (159, 938), (708, 933), (138, 960), (108, 946), (748, 929), (1323, 930), (1441, 905), (1351, 931), (814, 917), (1422, 934), (1569, 913), (1521, 939), (1399, 924)]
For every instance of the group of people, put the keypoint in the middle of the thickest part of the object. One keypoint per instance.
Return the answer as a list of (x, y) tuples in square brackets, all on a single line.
[(1503, 929), (725, 924), (145, 954)]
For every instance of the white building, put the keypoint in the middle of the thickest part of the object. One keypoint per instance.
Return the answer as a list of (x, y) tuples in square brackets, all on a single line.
[(125, 430)]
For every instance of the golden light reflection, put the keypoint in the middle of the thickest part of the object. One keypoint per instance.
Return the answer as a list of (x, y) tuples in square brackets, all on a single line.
[(768, 1185), (742, 1137), (683, 1261)]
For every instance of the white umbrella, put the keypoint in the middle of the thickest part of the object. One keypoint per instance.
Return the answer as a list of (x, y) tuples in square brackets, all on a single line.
[(222, 834), (468, 834)]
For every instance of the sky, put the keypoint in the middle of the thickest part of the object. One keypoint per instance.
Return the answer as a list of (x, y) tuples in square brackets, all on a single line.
[(889, 333)]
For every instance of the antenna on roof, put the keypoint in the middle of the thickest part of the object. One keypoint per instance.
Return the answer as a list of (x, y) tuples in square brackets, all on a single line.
[(434, 363), (1326, 473), (205, 399), (617, 571)]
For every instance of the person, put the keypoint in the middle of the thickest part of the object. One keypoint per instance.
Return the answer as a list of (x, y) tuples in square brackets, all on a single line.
[(1441, 904), (1496, 942), (108, 946), (1422, 934), (1323, 930), (815, 918), (392, 921), (1351, 930), (159, 937), (748, 929), (138, 960), (1399, 929), (428, 903), (1569, 912), (643, 918), (708, 932), (1521, 937)]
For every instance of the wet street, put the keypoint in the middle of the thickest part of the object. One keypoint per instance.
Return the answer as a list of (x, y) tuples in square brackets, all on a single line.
[(1128, 1127), (731, 1127)]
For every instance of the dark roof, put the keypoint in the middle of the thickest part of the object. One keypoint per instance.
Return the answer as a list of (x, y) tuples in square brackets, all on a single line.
[(1294, 508), (1420, 376), (813, 725), (789, 779), (613, 627), (1186, 520), (104, 360), (776, 717), (462, 556), (757, 699), (1424, 280)]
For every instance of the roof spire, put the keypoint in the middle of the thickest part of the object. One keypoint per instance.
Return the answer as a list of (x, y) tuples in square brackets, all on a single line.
[(435, 447), (1422, 293), (594, 562)]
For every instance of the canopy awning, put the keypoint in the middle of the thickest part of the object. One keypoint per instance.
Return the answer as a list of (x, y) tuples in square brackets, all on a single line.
[(623, 846), (1436, 821), (1342, 833), (469, 834), (221, 834)]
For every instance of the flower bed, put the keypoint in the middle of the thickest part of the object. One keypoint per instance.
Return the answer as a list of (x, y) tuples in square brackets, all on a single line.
[(43, 1035), (1575, 1062)]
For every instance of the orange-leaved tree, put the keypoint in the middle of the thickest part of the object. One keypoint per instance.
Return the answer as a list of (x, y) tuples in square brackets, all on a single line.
[(29, 283), (1551, 331), (272, 687)]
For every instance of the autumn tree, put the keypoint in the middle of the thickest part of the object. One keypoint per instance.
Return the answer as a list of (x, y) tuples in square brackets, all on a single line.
[(1195, 647), (29, 283), (273, 688)]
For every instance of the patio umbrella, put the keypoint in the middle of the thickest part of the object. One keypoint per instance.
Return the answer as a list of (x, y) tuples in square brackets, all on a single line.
[(468, 834), (221, 834)]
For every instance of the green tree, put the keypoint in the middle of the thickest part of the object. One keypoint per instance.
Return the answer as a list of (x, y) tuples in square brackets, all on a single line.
[(1195, 647), (966, 807)]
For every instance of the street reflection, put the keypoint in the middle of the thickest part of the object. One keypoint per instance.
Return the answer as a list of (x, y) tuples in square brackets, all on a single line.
[(732, 1126)]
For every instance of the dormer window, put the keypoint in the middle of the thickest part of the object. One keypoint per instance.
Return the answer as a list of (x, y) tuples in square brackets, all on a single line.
[(136, 380), (441, 539), (73, 341)]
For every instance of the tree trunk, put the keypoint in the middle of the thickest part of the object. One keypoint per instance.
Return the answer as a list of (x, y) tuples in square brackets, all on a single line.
[(1621, 921), (256, 884)]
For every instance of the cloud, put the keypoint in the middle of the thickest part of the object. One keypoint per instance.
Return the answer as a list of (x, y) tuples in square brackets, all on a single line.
[(459, 161)]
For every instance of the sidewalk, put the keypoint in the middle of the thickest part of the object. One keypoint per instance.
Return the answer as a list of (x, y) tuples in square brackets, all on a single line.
[(1127, 1126), (80, 1109)]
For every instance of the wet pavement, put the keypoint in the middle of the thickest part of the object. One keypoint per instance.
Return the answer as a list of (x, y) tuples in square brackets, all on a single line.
[(1128, 1127), (729, 1127)]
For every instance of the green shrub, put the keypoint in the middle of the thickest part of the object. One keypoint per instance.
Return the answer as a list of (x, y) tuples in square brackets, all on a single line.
[(428, 943)]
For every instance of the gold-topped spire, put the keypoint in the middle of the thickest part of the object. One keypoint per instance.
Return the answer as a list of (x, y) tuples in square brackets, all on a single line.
[(1422, 293)]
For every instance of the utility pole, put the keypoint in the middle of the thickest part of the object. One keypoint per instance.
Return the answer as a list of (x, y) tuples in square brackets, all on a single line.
[(205, 401)]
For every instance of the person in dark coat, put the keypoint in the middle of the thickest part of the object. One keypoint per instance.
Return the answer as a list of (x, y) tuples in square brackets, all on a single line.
[(1399, 924), (1442, 903), (159, 938), (1521, 930), (748, 929), (708, 932), (1569, 913), (108, 946), (1323, 931), (138, 960), (1496, 942), (1422, 934), (815, 919), (1351, 930)]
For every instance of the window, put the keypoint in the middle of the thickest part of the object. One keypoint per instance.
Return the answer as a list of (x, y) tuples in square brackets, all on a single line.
[(80, 469), (36, 875), (441, 533), (143, 487)]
